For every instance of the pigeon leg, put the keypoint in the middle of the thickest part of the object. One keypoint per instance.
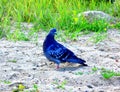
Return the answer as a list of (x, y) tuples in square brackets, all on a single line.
[(58, 66)]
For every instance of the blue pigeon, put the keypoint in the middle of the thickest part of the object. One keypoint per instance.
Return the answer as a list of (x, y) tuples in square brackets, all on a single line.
[(57, 53)]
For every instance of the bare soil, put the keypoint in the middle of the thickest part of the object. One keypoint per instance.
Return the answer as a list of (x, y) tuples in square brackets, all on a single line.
[(24, 62)]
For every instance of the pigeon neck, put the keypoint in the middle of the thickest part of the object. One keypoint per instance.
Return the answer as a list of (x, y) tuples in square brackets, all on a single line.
[(50, 38)]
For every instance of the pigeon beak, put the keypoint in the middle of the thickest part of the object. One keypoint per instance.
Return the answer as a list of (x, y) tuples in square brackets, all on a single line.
[(55, 33)]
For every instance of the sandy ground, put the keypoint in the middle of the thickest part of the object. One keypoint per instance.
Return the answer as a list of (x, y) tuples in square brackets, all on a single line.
[(32, 67)]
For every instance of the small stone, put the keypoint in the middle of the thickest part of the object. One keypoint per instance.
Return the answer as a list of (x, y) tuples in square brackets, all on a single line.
[(89, 86), (101, 91), (13, 76), (34, 68), (101, 49), (37, 65)]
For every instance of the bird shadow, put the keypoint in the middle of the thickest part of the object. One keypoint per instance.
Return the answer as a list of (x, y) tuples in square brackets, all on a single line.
[(69, 68)]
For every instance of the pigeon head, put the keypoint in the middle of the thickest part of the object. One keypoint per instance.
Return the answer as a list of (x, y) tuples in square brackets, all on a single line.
[(53, 32)]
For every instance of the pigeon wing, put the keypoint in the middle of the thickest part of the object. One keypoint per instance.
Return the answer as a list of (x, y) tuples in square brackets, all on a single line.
[(58, 52)]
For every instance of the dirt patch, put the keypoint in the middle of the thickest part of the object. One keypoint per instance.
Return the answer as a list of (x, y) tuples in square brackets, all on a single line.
[(24, 62)]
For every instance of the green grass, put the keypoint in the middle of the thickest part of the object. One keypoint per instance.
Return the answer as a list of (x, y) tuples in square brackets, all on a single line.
[(5, 81), (105, 73), (13, 61), (79, 73), (98, 37), (20, 88), (60, 85), (60, 14), (94, 69)]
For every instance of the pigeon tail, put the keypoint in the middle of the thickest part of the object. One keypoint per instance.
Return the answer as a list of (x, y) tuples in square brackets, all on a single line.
[(77, 60), (84, 64), (81, 61)]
